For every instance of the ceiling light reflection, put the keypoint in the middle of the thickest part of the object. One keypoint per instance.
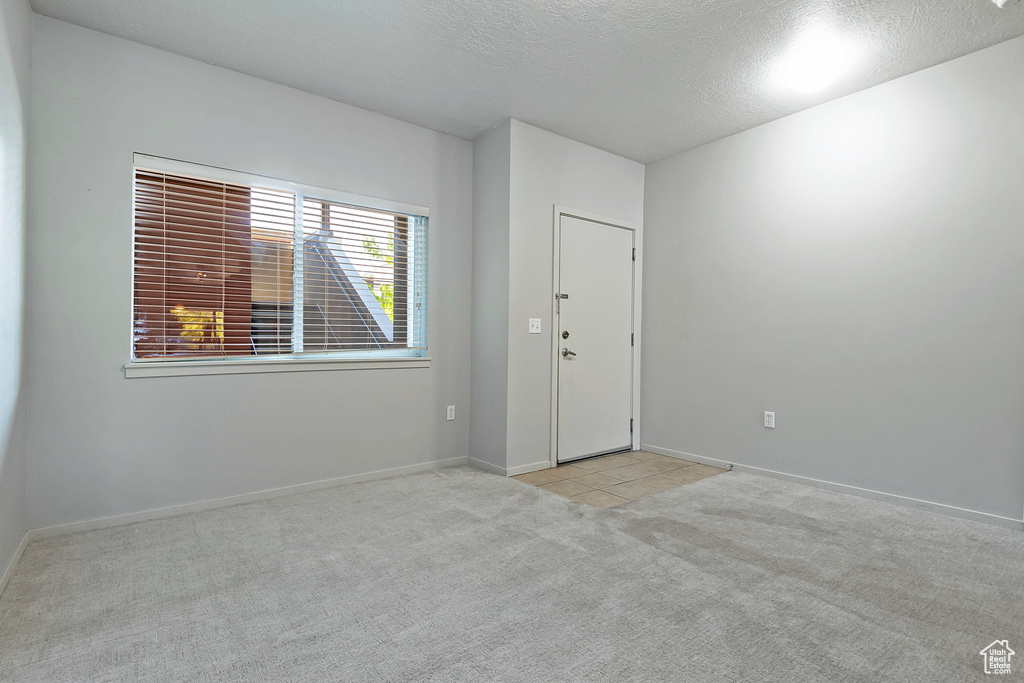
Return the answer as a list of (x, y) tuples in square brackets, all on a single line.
[(815, 60)]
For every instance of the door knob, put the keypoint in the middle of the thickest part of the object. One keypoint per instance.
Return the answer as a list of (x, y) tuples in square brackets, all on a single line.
[(566, 353)]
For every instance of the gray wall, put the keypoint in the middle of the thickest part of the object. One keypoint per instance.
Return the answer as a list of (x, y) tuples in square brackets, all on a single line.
[(15, 37), (857, 268), (520, 173), (102, 445), (548, 169), (489, 417)]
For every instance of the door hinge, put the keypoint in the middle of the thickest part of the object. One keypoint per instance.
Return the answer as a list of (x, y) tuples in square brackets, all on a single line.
[(630, 425), (634, 253), (632, 341)]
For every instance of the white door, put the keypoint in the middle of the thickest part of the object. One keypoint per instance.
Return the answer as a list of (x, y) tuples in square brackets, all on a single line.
[(594, 334)]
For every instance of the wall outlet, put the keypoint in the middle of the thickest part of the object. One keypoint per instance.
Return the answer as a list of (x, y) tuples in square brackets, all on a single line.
[(534, 325), (769, 420), (451, 413)]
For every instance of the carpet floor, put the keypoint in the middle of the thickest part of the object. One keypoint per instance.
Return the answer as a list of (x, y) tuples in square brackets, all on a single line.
[(458, 575)]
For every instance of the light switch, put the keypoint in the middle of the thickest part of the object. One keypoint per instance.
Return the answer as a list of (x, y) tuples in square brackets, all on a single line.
[(534, 325)]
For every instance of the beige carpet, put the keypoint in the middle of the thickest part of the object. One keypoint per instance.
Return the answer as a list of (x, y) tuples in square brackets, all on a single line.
[(464, 576)]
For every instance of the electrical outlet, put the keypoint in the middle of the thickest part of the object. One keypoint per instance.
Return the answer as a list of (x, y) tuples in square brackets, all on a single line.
[(451, 413), (769, 420), (534, 325)]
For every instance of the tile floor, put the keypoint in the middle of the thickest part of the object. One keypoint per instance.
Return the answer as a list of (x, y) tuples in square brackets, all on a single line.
[(616, 479)]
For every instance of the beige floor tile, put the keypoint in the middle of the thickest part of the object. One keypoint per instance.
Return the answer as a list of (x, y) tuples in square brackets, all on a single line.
[(655, 466), (567, 488), (600, 499), (606, 463), (687, 475), (707, 469), (644, 456), (570, 471), (596, 480), (627, 473), (657, 483), (632, 490), (540, 477)]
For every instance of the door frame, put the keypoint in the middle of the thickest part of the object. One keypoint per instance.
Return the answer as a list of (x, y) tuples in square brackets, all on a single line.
[(560, 211)]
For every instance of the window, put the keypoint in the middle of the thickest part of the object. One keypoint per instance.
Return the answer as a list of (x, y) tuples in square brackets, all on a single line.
[(229, 266)]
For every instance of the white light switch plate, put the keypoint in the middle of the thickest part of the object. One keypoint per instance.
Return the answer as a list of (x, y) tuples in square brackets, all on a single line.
[(534, 325)]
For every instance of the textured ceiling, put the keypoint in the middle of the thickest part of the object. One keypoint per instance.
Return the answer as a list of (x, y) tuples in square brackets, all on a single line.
[(644, 79)]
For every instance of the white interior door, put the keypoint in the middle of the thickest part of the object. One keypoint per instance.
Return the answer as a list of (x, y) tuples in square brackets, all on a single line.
[(595, 347)]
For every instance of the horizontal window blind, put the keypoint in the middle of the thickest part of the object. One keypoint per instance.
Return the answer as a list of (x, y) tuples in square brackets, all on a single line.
[(358, 278), (227, 270)]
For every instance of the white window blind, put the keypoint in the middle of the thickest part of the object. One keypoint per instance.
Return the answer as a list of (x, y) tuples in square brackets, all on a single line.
[(230, 269)]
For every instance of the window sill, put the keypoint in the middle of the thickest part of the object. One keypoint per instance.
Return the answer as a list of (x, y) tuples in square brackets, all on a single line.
[(184, 368)]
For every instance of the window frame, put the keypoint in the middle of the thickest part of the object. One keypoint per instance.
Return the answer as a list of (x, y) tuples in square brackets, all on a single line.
[(304, 362)]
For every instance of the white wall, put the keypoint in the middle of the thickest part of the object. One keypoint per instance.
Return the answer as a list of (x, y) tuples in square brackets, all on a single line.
[(857, 268), (15, 37), (489, 394), (549, 170), (101, 445)]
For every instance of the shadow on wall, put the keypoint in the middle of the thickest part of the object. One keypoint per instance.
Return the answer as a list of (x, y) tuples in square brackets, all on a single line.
[(12, 251), (12, 258)]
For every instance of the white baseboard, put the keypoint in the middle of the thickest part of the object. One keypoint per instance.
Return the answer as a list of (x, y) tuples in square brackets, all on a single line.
[(523, 469), (6, 576), (891, 498), (509, 471), (175, 510), (486, 466)]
